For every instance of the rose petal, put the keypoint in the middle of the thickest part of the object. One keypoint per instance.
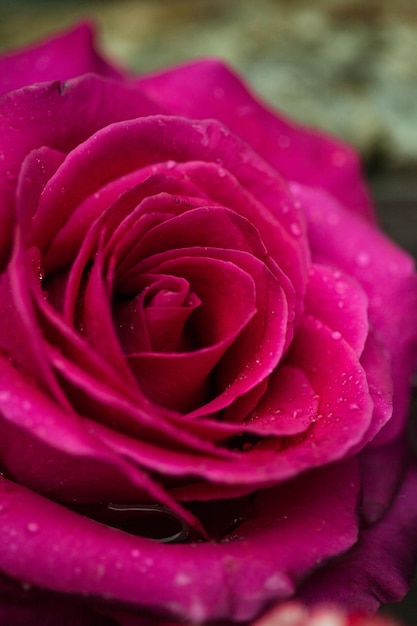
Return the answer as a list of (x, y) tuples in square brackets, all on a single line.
[(386, 274), (178, 380), (340, 303), (380, 568), (161, 139), (56, 116), (61, 57), (259, 569), (297, 153)]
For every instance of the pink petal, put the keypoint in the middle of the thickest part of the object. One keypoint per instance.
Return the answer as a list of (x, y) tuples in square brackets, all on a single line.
[(380, 568), (59, 58), (297, 153), (263, 567), (340, 303), (386, 273), (59, 117)]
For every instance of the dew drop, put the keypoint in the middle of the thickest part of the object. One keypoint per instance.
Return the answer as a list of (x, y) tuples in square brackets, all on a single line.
[(295, 229), (273, 583), (353, 406), (33, 527), (336, 335), (135, 553), (182, 580), (170, 165), (362, 259)]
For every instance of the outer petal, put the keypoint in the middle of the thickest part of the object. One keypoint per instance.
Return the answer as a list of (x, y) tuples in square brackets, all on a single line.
[(57, 116), (24, 605), (67, 55), (386, 273), (39, 538), (380, 568), (208, 89)]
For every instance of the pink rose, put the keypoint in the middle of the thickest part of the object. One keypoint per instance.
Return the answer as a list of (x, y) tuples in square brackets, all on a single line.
[(206, 341)]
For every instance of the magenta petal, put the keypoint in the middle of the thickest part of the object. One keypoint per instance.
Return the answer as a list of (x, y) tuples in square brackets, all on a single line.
[(380, 568), (35, 172), (344, 403), (162, 139), (178, 380), (263, 567), (289, 405), (59, 58), (96, 321), (340, 303), (24, 605), (59, 117), (386, 273), (297, 153)]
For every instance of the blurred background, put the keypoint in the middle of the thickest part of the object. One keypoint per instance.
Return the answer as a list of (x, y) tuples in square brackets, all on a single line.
[(346, 66)]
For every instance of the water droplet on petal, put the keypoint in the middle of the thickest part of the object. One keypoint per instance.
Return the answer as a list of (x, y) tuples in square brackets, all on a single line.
[(182, 580), (336, 335), (363, 259), (170, 165), (33, 527), (295, 229)]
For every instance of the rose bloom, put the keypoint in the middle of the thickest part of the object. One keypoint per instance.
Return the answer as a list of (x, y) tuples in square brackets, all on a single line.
[(206, 348)]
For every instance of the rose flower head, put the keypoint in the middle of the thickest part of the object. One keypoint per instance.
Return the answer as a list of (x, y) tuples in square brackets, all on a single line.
[(206, 349)]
